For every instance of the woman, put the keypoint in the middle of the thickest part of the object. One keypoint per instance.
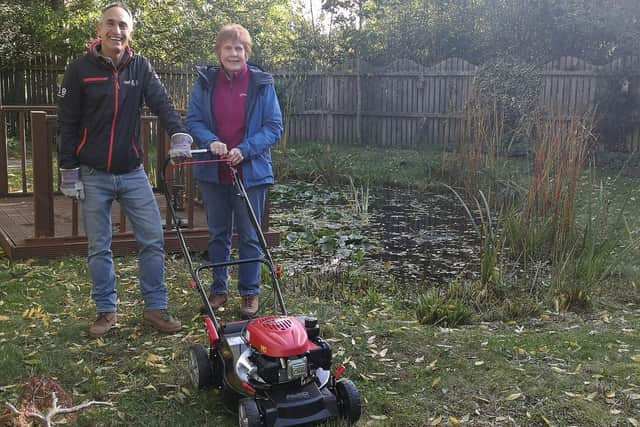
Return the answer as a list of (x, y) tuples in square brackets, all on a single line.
[(234, 113)]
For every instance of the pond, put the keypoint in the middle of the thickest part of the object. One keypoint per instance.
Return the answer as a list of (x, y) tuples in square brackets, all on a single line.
[(415, 236)]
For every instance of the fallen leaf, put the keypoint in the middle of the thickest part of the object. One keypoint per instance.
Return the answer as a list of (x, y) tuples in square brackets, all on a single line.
[(152, 359), (435, 382), (514, 396), (453, 420), (436, 421), (378, 417)]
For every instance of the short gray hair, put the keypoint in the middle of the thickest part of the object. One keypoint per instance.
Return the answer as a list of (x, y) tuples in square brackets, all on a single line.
[(121, 5)]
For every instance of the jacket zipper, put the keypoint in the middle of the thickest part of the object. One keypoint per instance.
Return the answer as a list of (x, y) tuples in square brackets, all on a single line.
[(115, 117), (85, 133)]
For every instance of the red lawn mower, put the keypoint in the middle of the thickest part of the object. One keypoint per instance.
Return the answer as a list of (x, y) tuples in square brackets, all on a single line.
[(273, 370)]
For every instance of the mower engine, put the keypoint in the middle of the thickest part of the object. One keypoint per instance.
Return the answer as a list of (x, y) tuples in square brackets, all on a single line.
[(283, 349)]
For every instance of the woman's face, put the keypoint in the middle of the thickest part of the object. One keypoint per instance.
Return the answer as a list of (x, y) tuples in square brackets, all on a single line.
[(233, 56)]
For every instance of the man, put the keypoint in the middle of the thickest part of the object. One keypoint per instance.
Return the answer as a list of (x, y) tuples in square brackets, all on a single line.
[(100, 158)]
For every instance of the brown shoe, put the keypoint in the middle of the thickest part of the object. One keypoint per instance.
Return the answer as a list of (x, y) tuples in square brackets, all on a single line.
[(217, 301), (162, 321), (103, 324), (250, 306)]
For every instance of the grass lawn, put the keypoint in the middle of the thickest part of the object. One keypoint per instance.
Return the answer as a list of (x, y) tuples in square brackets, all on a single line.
[(554, 369)]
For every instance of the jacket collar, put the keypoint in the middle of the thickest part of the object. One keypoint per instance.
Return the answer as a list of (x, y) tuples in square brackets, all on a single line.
[(208, 74), (95, 51)]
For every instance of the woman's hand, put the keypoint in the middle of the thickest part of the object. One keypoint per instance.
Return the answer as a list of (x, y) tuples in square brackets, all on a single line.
[(235, 156), (218, 148)]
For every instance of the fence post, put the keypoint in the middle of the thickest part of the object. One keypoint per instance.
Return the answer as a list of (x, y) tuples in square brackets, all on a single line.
[(4, 158), (330, 103), (358, 101), (42, 175)]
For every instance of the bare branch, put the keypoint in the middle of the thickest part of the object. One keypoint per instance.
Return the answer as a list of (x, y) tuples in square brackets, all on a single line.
[(54, 410)]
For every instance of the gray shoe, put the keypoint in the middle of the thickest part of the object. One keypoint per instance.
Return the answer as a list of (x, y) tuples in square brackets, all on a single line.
[(103, 324), (217, 301), (162, 321), (249, 306)]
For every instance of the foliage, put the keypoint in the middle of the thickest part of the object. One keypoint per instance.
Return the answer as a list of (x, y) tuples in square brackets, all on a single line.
[(618, 107), (434, 309), (175, 32), (604, 242), (26, 33), (536, 32), (561, 153), (509, 90), (377, 32), (377, 167), (568, 368), (359, 198)]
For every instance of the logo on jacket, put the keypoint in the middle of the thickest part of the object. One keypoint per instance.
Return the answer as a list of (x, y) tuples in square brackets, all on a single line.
[(243, 94), (130, 82)]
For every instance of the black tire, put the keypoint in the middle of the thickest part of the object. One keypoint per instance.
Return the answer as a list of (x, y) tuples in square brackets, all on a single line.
[(200, 369), (248, 413), (348, 401)]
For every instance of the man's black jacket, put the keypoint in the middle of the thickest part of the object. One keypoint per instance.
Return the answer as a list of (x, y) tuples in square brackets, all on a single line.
[(99, 111)]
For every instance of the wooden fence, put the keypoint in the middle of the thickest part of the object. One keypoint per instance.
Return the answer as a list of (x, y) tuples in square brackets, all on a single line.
[(402, 105)]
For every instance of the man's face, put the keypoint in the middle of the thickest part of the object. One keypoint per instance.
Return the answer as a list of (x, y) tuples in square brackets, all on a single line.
[(233, 56), (115, 30)]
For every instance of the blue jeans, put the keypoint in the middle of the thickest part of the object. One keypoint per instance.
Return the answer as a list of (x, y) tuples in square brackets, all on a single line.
[(226, 208), (133, 191)]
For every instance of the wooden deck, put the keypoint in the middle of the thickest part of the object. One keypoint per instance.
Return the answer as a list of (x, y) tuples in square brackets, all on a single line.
[(17, 238), (36, 221)]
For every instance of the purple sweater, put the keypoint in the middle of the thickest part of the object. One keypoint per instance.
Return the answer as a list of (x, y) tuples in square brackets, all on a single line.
[(229, 108)]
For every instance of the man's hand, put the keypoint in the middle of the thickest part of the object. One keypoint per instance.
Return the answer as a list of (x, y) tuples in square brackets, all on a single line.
[(180, 146), (70, 183)]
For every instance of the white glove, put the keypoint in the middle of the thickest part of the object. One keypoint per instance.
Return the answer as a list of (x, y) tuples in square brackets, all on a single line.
[(70, 183), (180, 146)]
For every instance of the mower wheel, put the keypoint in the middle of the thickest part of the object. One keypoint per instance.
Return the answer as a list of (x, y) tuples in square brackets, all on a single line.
[(348, 401), (248, 413), (200, 369)]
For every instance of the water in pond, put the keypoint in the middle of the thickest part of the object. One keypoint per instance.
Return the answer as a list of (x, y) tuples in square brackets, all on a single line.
[(424, 236), (416, 236)]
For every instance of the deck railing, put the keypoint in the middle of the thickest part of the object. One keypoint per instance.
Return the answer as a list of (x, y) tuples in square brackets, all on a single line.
[(18, 117), (43, 136), (38, 167)]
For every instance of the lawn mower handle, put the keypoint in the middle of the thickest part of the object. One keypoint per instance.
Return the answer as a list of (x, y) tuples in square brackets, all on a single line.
[(195, 276)]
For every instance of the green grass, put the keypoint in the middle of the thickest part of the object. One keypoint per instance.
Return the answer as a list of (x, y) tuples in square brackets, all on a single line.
[(561, 367), (549, 368)]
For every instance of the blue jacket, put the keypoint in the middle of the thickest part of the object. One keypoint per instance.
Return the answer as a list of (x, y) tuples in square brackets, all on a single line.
[(263, 125)]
